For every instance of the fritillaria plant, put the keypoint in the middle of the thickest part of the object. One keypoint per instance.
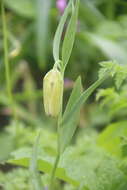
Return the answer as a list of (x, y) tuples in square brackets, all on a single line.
[(53, 87)]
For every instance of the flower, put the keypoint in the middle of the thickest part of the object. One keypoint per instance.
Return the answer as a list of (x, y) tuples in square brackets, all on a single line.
[(53, 92), (61, 5)]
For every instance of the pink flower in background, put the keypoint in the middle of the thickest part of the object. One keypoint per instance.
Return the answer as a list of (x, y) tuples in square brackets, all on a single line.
[(61, 5), (68, 84)]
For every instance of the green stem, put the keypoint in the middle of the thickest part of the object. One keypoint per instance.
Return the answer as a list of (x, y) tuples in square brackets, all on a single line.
[(58, 146), (7, 66), (58, 141), (53, 172), (6, 61), (58, 154)]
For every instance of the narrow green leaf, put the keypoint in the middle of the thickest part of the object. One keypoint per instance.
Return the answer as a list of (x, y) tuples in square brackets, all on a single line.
[(76, 92), (69, 121), (35, 177), (70, 35), (42, 17), (46, 166), (58, 34)]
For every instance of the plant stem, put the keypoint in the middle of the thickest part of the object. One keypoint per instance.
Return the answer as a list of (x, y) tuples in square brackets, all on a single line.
[(58, 145), (58, 151), (6, 61), (53, 172), (7, 67)]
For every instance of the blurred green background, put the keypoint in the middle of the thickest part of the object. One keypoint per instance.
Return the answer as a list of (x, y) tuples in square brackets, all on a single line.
[(101, 35)]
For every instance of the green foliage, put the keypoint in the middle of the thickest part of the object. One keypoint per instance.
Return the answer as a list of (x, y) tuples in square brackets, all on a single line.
[(85, 163), (69, 120), (67, 131), (35, 177), (18, 178), (15, 179), (114, 101), (111, 138), (69, 35), (95, 160), (6, 141), (119, 72)]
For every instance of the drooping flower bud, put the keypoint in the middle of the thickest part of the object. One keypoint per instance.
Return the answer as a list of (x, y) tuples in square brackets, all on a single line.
[(52, 92)]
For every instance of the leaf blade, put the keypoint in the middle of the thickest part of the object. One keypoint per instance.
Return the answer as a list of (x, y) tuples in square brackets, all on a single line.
[(68, 123), (76, 92), (74, 95), (70, 36), (58, 34)]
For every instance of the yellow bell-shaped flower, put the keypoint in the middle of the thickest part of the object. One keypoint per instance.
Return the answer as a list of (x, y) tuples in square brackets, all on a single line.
[(53, 92)]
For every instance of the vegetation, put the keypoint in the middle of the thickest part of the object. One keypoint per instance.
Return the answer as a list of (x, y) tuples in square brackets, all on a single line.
[(63, 95)]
